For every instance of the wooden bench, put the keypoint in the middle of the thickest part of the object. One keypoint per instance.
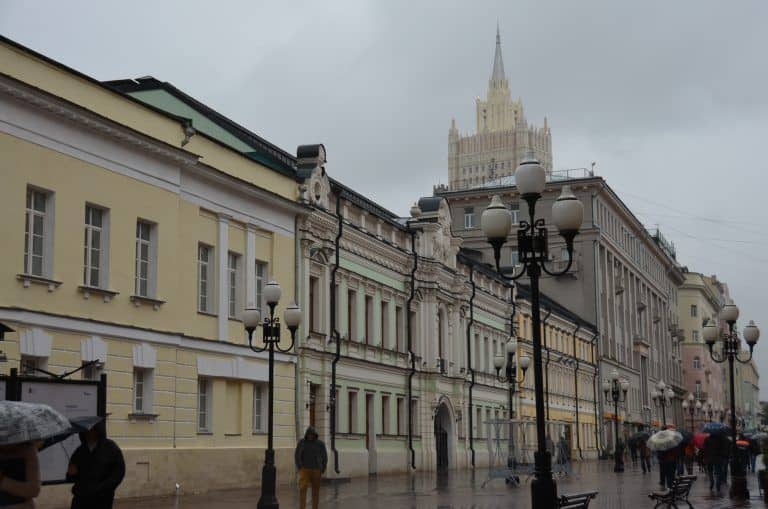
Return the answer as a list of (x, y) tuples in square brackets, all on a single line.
[(576, 500), (679, 492)]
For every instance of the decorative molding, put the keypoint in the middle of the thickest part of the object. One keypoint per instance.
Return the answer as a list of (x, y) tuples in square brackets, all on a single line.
[(107, 295), (94, 349), (28, 279), (35, 342), (144, 356)]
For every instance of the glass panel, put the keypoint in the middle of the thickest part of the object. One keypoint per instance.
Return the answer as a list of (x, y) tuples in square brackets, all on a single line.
[(143, 287), (144, 251), (96, 239), (96, 217), (37, 266), (94, 277), (39, 201), (37, 225)]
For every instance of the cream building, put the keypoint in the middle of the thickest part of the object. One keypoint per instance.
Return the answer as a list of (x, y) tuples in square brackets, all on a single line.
[(502, 136), (460, 321), (134, 238)]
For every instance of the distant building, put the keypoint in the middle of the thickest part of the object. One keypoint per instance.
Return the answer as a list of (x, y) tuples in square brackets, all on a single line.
[(700, 300), (624, 279), (501, 139)]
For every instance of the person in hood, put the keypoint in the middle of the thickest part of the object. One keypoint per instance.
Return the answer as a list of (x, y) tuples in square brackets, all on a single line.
[(97, 468), (311, 459), (19, 476)]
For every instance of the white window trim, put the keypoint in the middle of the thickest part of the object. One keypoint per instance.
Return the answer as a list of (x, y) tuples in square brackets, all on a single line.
[(48, 232), (234, 277), (210, 266), (103, 266), (147, 384), (260, 282), (151, 262), (261, 405), (204, 406)]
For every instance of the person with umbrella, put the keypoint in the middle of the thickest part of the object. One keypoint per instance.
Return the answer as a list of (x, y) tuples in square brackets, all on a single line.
[(22, 427), (716, 454), (645, 454), (97, 468), (667, 445)]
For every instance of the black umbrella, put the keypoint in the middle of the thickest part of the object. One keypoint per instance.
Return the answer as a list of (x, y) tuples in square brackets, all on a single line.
[(76, 425), (687, 437), (638, 437)]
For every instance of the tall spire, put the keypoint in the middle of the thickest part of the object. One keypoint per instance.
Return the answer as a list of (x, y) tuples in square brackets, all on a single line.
[(498, 63)]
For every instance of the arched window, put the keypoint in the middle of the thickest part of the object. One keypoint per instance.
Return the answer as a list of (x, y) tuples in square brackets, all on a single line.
[(696, 363)]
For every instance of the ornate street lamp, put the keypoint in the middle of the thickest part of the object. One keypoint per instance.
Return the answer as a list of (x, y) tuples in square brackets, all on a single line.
[(731, 352), (662, 398), (567, 214), (271, 341), (616, 390), (693, 408), (510, 377)]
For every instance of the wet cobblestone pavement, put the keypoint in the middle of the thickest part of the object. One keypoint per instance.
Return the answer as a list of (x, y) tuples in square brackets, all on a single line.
[(459, 490)]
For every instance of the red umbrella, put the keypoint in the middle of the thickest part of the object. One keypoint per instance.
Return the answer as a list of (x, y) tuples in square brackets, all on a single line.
[(698, 439)]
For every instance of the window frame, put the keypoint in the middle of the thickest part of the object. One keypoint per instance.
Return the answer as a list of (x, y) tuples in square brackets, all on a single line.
[(469, 218), (145, 381), (151, 260), (204, 405), (205, 285), (46, 234), (234, 290), (260, 400), (102, 280)]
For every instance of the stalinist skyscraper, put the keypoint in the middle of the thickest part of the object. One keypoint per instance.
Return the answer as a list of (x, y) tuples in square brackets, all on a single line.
[(502, 136)]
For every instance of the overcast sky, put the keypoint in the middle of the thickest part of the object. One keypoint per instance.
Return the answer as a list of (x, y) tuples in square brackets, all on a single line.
[(668, 98)]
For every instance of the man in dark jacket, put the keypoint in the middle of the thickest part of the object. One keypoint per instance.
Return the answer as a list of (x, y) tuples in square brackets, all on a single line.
[(716, 453), (97, 469), (311, 459)]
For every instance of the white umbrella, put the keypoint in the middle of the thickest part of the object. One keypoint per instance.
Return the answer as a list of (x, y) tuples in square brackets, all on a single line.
[(664, 440), (26, 422)]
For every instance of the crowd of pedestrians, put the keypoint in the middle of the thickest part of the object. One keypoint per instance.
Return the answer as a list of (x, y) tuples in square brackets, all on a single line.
[(711, 452)]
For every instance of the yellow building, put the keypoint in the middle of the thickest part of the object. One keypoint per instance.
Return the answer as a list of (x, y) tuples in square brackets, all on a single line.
[(136, 238)]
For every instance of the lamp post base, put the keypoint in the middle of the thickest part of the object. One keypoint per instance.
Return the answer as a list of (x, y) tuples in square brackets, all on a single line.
[(543, 486), (739, 490), (268, 499)]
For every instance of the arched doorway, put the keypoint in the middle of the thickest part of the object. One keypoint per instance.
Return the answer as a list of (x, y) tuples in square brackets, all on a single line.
[(443, 434)]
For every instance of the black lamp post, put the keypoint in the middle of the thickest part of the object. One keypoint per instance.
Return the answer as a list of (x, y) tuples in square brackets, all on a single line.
[(567, 214), (693, 408), (616, 390), (271, 341), (510, 377), (731, 352), (662, 398)]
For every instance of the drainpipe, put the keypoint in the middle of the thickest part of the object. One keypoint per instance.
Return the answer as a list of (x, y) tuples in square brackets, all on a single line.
[(598, 445), (546, 364), (469, 362), (576, 390), (411, 354), (336, 335)]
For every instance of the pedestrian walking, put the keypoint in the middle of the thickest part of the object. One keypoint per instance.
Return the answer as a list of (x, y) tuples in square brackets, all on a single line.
[(668, 461), (311, 459), (754, 452), (716, 454), (97, 468), (19, 475), (689, 456), (633, 451), (645, 456)]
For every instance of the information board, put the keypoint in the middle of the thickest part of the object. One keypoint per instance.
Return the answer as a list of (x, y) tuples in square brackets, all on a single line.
[(72, 400)]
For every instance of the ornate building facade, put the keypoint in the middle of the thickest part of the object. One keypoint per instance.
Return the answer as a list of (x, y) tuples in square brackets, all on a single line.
[(501, 139)]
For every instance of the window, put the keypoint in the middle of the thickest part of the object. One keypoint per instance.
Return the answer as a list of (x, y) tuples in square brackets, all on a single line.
[(261, 280), (259, 408), (514, 210), (384, 326), (352, 315), (401, 416), (204, 278), (399, 345), (696, 363), (95, 253), (694, 335), (697, 388), (369, 339), (352, 411), (142, 390), (479, 428), (204, 405), (694, 310), (415, 416), (30, 365), (233, 268), (514, 257), (37, 233), (385, 415), (314, 315), (93, 371), (145, 263), (469, 218)]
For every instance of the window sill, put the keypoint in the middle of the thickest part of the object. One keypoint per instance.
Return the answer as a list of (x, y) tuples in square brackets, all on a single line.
[(233, 434), (205, 433), (259, 433), (235, 319), (107, 295), (138, 300), (206, 313), (141, 416), (29, 279)]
